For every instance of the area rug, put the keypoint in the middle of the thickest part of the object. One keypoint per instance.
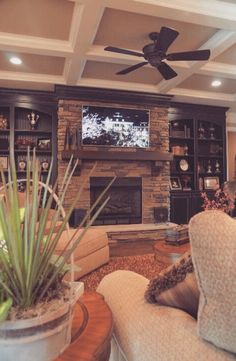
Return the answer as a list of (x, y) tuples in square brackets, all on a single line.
[(144, 265)]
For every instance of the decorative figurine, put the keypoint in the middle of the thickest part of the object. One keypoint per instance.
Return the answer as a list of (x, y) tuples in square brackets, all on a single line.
[(33, 119), (185, 149), (74, 141), (201, 132), (212, 132), (209, 167), (217, 167), (21, 187)]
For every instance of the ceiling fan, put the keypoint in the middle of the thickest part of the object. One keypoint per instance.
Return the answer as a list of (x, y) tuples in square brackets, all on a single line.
[(155, 53)]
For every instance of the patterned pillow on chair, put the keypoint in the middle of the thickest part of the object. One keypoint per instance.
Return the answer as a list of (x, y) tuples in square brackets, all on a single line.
[(176, 286)]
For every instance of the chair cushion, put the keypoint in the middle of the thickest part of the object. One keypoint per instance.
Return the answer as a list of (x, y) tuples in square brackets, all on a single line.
[(213, 242), (176, 286)]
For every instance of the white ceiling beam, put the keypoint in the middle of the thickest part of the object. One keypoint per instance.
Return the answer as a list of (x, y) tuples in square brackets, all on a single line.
[(212, 13), (112, 84), (202, 97), (220, 70), (86, 19), (218, 43), (34, 45), (31, 77)]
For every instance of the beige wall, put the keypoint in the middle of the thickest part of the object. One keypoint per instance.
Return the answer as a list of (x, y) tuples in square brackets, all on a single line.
[(231, 155)]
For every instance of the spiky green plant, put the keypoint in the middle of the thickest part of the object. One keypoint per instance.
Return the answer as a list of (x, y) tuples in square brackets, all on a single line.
[(29, 269)]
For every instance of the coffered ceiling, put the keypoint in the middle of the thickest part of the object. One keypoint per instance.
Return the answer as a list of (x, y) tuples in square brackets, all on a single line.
[(62, 42)]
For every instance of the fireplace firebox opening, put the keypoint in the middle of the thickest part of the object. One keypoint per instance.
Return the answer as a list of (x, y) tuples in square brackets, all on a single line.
[(125, 204)]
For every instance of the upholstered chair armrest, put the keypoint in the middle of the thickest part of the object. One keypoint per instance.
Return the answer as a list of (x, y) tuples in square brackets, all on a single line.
[(148, 332)]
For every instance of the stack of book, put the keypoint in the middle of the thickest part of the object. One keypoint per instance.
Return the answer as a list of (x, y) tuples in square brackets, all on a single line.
[(177, 235)]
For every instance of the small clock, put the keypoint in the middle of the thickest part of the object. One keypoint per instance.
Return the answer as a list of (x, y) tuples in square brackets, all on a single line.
[(184, 165)]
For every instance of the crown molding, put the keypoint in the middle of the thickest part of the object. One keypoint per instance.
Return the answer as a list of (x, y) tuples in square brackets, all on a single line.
[(114, 96)]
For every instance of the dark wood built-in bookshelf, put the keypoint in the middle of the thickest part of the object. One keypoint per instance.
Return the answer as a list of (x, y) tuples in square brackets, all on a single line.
[(21, 112), (197, 141)]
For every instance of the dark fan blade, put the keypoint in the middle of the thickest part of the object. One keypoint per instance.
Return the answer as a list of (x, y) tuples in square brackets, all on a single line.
[(190, 55), (122, 51), (131, 68), (166, 71), (166, 38)]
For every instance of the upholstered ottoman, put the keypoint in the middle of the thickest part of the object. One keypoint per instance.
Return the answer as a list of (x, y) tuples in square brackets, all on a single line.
[(92, 251)]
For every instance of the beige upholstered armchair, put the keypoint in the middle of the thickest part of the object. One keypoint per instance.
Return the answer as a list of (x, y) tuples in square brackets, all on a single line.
[(150, 332)]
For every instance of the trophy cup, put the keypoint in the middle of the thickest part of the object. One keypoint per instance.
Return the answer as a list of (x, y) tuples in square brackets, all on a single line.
[(212, 132), (33, 119), (186, 179), (209, 167), (217, 167)]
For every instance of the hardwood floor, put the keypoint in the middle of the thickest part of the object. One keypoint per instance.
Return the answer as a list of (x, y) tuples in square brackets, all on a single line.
[(131, 248)]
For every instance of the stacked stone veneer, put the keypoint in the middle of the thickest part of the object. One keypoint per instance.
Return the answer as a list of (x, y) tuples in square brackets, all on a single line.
[(155, 189)]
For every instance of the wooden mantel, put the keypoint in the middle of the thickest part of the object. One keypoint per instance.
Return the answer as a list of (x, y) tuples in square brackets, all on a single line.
[(155, 156), (115, 154)]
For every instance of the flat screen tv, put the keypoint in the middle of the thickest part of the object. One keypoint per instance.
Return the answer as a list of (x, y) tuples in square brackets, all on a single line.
[(115, 127)]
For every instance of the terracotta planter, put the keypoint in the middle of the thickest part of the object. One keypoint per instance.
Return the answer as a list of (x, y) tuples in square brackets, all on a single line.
[(40, 338)]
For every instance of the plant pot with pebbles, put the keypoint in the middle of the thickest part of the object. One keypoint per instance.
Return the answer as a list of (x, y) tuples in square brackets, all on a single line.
[(36, 304)]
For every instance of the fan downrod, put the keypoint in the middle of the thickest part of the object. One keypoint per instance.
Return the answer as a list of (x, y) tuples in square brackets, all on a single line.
[(154, 36)]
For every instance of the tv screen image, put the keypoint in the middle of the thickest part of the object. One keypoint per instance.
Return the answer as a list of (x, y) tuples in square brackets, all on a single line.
[(116, 127)]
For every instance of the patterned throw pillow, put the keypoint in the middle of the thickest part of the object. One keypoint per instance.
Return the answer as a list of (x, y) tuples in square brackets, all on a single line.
[(176, 286)]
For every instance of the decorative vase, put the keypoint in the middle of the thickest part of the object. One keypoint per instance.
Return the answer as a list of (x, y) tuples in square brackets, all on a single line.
[(67, 138), (45, 165), (41, 338), (22, 164), (3, 122)]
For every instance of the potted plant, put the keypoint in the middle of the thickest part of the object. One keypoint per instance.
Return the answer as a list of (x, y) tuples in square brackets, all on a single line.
[(35, 303)]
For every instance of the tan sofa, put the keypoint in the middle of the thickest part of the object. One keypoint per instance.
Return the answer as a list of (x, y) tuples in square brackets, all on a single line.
[(91, 253), (150, 332)]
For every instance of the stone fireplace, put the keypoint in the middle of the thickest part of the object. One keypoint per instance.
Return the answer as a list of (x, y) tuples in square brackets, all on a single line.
[(150, 187), (125, 203)]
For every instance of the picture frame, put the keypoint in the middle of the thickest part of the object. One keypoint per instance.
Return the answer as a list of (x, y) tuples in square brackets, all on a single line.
[(4, 162), (175, 184), (44, 143), (211, 183)]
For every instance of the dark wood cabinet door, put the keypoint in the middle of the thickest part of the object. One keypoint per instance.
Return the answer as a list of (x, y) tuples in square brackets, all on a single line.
[(180, 208), (196, 204)]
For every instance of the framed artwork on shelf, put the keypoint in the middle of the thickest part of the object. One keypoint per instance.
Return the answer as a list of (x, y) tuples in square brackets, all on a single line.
[(175, 184), (4, 162), (211, 183), (44, 143)]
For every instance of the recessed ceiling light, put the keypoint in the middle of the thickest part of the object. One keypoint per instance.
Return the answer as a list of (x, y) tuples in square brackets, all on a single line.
[(15, 60), (216, 83)]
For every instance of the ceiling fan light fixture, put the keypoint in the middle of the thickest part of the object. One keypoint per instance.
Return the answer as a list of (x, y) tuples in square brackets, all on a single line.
[(216, 83), (15, 60), (155, 53)]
